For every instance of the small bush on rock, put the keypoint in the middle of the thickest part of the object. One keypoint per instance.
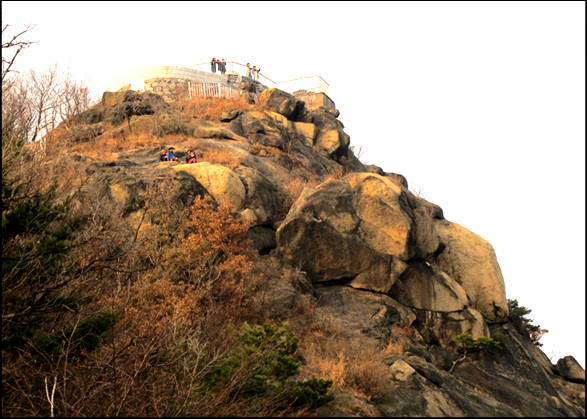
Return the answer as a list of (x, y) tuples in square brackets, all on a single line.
[(467, 343), (536, 332), (258, 370)]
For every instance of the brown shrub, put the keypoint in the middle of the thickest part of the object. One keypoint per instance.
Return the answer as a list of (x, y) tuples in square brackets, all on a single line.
[(93, 267), (355, 364), (215, 257), (163, 222), (174, 317)]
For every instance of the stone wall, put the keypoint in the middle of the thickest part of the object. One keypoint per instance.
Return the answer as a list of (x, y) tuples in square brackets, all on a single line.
[(173, 82), (169, 89), (315, 100)]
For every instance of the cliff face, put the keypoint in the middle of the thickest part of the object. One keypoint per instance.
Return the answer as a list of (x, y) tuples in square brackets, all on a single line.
[(380, 264)]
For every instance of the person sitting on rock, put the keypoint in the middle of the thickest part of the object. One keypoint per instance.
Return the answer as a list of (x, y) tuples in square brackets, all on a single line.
[(191, 157), (170, 155), (162, 157)]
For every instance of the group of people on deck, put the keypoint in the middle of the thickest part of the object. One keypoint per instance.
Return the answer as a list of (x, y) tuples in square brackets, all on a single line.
[(252, 73), (218, 63), (169, 155)]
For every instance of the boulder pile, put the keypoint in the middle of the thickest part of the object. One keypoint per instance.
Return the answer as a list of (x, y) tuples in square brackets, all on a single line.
[(371, 254)]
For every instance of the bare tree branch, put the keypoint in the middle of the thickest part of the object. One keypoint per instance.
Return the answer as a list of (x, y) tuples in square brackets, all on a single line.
[(13, 43)]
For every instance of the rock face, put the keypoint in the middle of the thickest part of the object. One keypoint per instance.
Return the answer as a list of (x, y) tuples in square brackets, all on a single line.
[(471, 261), (372, 234), (571, 370), (221, 182), (319, 231), (373, 257)]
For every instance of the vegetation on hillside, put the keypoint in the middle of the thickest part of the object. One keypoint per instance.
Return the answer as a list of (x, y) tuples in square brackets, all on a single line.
[(107, 316), (467, 343), (535, 331)]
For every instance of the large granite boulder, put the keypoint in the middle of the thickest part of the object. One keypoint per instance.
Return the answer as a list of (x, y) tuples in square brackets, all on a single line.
[(200, 128), (355, 229), (320, 233), (571, 369), (264, 128), (423, 286), (307, 131), (221, 182), (393, 220), (442, 327), (333, 142), (330, 138), (471, 261), (128, 103), (366, 229), (281, 102)]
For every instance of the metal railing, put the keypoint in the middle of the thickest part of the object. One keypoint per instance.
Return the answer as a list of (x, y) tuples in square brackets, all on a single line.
[(233, 67), (214, 90), (310, 84)]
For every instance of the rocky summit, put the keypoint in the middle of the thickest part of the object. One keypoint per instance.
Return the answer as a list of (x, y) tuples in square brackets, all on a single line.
[(377, 263)]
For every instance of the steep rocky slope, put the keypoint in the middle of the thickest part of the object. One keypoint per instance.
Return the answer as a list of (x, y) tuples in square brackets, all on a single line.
[(383, 266)]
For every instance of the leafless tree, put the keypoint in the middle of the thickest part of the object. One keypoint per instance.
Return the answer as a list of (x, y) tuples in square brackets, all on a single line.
[(73, 98), (16, 118), (43, 101), (35, 102), (15, 46), (16, 115)]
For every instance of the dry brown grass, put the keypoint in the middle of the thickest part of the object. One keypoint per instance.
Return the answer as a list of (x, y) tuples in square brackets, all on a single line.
[(395, 345), (293, 189), (356, 365), (216, 156), (107, 147), (336, 173), (263, 150), (211, 108)]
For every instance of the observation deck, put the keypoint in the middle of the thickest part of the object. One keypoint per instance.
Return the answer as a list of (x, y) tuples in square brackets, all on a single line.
[(173, 82)]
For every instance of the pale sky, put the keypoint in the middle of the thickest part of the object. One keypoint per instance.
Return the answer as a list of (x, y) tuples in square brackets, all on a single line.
[(480, 105)]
